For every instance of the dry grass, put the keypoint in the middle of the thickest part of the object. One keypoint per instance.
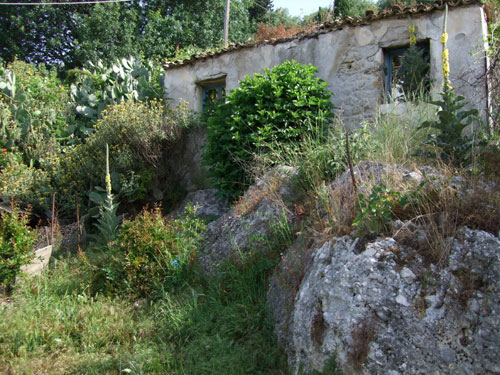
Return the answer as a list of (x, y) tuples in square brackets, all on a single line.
[(453, 201)]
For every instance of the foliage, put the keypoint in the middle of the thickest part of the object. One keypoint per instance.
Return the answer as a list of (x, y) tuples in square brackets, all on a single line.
[(448, 132), (273, 108), (16, 242), (320, 154), (151, 253), (356, 8), (25, 184), (281, 16), (260, 10), (35, 111), (377, 210), (108, 221), (387, 4), (72, 35), (40, 34), (98, 86), (492, 9), (206, 326), (267, 32), (105, 32), (140, 136), (415, 76), (398, 136)]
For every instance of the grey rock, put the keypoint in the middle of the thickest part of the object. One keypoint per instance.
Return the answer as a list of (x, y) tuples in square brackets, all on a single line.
[(444, 335), (209, 205), (250, 225)]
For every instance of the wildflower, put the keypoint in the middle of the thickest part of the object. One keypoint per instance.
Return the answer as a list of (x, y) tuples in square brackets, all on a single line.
[(175, 263), (445, 55), (4, 150), (444, 38), (413, 34)]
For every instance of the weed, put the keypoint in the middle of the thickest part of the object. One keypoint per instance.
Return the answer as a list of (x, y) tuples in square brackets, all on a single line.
[(376, 210), (450, 203)]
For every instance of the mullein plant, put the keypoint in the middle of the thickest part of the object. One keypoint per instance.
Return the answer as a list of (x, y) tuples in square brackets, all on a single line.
[(447, 132), (108, 223)]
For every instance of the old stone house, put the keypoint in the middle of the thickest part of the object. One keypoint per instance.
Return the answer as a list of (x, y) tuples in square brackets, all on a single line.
[(356, 57)]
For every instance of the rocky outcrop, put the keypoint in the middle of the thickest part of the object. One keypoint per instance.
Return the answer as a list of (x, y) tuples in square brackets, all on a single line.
[(380, 307), (209, 205), (385, 311), (251, 223)]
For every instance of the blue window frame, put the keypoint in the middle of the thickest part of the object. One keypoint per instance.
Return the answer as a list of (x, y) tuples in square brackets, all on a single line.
[(212, 93)]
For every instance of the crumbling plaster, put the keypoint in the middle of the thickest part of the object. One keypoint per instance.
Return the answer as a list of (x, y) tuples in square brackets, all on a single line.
[(351, 60)]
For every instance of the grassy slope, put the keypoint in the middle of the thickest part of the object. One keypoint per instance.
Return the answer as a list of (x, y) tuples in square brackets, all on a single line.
[(52, 326)]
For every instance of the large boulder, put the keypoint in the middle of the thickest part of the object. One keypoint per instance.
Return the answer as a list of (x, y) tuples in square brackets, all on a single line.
[(382, 309), (253, 221)]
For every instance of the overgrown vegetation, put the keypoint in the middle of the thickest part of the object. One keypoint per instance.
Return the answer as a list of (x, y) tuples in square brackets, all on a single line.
[(133, 299), (189, 324), (267, 110)]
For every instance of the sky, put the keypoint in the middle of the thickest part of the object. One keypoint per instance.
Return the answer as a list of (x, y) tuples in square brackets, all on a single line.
[(301, 7)]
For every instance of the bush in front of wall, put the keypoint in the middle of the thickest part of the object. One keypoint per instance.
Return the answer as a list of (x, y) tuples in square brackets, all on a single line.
[(274, 108)]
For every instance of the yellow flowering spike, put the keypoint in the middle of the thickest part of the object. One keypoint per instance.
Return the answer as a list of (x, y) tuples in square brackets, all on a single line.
[(108, 176), (412, 30), (444, 38), (445, 55)]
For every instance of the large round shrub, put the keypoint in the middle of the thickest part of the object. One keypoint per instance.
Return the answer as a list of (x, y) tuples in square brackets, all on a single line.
[(277, 107)]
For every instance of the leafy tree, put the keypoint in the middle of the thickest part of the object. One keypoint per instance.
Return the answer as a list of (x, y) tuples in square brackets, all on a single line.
[(39, 33), (107, 32), (260, 10), (321, 15), (387, 4), (352, 8), (74, 34)]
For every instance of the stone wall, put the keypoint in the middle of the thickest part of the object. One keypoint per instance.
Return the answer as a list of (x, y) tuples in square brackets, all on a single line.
[(351, 60)]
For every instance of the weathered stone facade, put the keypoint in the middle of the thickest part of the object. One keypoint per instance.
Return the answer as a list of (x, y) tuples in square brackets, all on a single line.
[(349, 55)]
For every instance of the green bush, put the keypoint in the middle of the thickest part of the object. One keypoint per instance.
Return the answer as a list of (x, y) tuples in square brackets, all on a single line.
[(274, 108), (152, 253), (377, 210), (34, 111), (140, 135), (16, 242), (21, 183)]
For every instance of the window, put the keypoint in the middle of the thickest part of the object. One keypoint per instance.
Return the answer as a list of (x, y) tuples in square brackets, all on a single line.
[(407, 72), (213, 90)]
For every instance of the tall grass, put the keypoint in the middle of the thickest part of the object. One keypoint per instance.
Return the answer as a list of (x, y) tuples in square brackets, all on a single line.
[(396, 134), (54, 325)]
